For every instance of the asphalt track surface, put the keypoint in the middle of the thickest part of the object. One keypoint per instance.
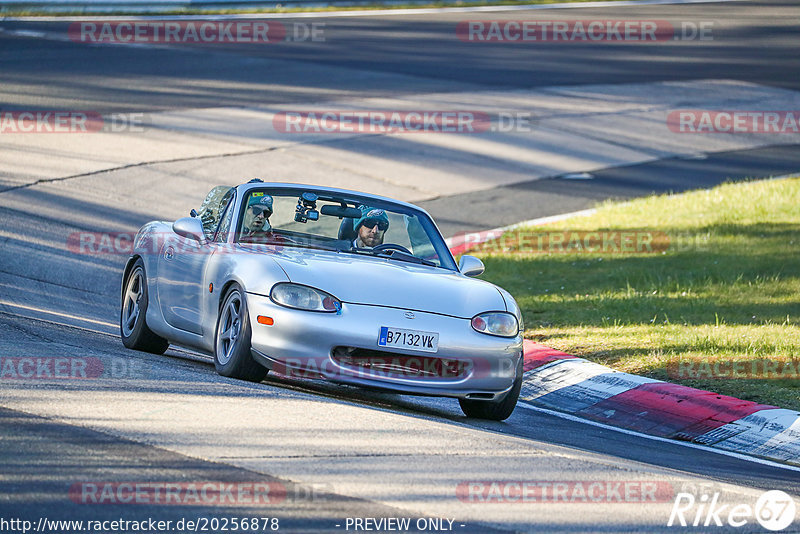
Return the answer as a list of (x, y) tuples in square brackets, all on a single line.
[(752, 41), (44, 452)]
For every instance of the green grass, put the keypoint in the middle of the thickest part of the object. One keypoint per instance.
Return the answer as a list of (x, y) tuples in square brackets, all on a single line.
[(726, 288), (278, 7)]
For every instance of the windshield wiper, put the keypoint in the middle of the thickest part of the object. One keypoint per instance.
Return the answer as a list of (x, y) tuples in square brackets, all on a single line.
[(393, 254), (310, 245), (283, 241)]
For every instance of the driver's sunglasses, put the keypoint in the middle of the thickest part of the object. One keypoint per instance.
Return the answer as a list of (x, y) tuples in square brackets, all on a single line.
[(382, 225), (258, 210)]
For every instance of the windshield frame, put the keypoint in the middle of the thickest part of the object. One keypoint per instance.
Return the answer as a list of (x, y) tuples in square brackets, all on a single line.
[(437, 240)]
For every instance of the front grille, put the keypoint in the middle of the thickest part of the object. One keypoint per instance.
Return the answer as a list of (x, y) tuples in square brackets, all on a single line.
[(390, 364)]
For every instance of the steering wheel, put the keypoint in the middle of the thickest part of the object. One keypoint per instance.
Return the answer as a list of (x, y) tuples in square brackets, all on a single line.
[(391, 246)]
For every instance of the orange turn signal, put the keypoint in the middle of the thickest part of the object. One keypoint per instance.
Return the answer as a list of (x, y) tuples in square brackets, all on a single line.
[(263, 319)]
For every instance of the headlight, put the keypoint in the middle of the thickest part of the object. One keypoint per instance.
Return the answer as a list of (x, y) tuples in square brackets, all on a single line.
[(304, 298), (496, 324)]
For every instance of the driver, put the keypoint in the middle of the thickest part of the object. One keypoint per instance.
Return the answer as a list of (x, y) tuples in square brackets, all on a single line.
[(371, 227), (259, 209)]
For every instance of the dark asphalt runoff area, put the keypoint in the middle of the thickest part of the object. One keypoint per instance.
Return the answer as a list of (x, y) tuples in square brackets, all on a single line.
[(754, 42), (507, 205)]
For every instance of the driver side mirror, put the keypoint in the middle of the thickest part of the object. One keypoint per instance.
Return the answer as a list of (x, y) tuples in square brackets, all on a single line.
[(471, 266), (189, 227)]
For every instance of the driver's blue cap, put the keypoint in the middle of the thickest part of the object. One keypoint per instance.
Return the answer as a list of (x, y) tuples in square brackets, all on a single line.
[(259, 198), (372, 214)]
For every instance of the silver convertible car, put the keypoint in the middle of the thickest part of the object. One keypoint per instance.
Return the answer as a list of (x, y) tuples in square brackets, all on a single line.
[(316, 282)]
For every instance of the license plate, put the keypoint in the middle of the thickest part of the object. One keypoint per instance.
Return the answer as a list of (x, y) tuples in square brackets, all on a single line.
[(408, 339)]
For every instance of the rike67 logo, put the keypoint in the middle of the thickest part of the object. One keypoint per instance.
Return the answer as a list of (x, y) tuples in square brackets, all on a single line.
[(774, 511)]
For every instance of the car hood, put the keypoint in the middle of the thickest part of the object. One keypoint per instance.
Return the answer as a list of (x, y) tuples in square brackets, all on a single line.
[(369, 280)]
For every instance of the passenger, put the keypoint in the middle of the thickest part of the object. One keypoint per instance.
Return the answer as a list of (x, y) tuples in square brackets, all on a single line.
[(371, 227), (259, 210)]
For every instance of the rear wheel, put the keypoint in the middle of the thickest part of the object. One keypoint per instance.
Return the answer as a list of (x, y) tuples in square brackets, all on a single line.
[(232, 340), (496, 410), (132, 325)]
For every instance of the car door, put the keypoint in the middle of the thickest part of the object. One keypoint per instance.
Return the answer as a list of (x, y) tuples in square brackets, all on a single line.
[(180, 283), (182, 286)]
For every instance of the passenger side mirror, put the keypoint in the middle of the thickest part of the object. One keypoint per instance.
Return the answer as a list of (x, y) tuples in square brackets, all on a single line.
[(189, 227), (471, 266)]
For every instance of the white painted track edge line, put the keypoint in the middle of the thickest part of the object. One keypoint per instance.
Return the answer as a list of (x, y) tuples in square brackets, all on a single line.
[(62, 315), (539, 221), (738, 456), (548, 220), (368, 13), (486, 235)]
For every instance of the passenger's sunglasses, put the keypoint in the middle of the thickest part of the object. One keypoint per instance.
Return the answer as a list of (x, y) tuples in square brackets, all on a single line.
[(382, 225), (258, 210)]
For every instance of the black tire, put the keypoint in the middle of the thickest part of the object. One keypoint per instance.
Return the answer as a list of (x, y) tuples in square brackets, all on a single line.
[(232, 356), (133, 313), (496, 410)]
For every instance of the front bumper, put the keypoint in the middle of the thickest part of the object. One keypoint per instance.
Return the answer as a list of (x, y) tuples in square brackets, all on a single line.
[(312, 344)]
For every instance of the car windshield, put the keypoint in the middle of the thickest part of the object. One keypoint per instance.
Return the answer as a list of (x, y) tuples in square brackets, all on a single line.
[(212, 207), (343, 223)]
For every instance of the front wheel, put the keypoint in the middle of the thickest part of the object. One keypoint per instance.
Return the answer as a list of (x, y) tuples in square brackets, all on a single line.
[(496, 410), (232, 340), (133, 329)]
